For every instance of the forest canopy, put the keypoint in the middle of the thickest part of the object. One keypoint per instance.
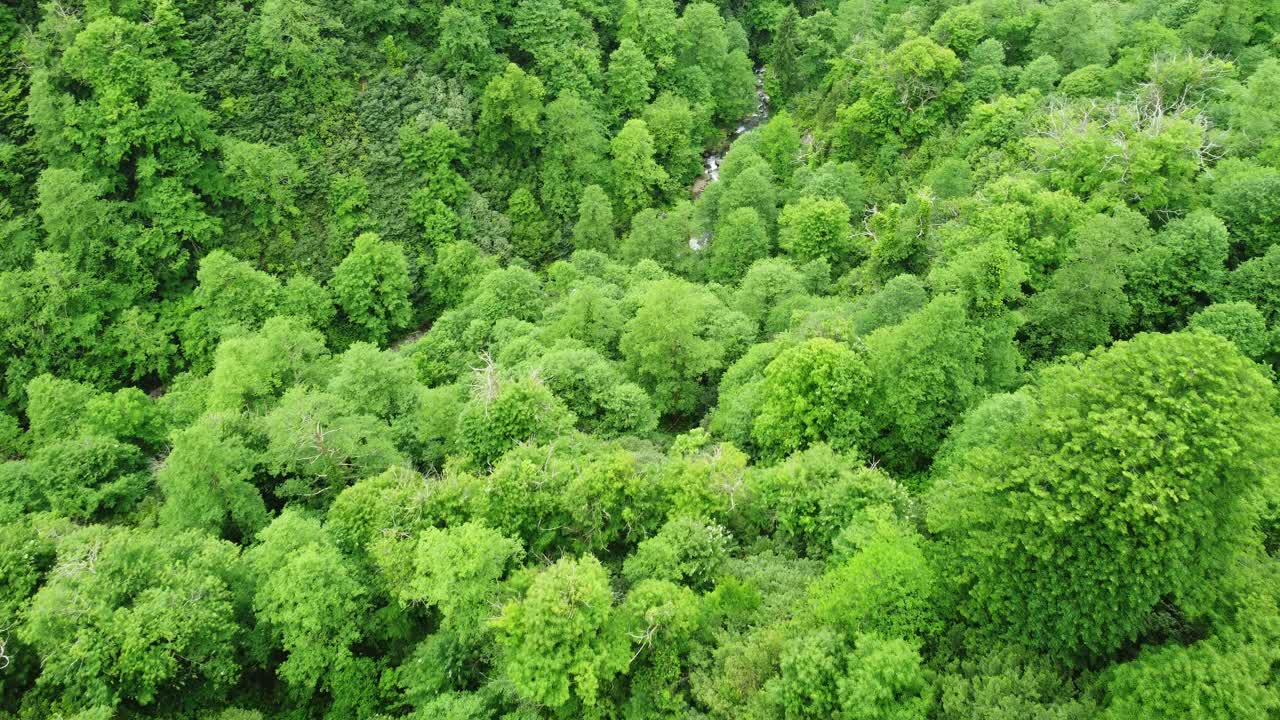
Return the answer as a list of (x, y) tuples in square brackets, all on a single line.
[(640, 359)]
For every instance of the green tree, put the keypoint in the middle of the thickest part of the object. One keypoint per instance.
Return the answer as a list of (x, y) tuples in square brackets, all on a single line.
[(780, 146), (1258, 281), (510, 119), (630, 79), (464, 47), (883, 584), (132, 130), (594, 229), (317, 446), (156, 622), (252, 370), (901, 297), (927, 372), (651, 25), (574, 155), (1085, 304), (688, 550), (1073, 520), (676, 128), (637, 177), (767, 292), (1179, 273), (903, 96), (812, 228), (814, 392), (262, 180), (1076, 32), (886, 681), (751, 187), (504, 413), (372, 287), (740, 240), (437, 154), (1246, 198), (230, 295), (531, 235), (597, 393), (660, 236), (1210, 680), (785, 55), (558, 638), (308, 599), (458, 569), (207, 480), (680, 339), (1239, 322)]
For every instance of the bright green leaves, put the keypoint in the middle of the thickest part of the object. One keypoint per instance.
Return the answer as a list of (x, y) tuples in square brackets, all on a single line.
[(879, 678), (814, 392), (511, 112), (637, 178), (680, 339), (1210, 679), (458, 570), (309, 600), (630, 79), (138, 616), (741, 239), (252, 370), (886, 681), (207, 480), (559, 640), (318, 445), (1126, 480), (505, 412), (594, 229), (885, 584), (928, 370), (372, 287), (813, 228)]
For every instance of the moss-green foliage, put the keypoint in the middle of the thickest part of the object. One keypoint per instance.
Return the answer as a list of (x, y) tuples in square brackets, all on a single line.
[(371, 286), (1213, 681), (558, 639), (155, 611), (814, 392), (1120, 489), (641, 359), (681, 339)]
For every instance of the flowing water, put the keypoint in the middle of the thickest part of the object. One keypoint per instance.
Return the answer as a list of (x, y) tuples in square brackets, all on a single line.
[(711, 163)]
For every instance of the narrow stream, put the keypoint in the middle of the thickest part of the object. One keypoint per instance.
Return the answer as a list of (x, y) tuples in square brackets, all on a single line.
[(711, 162), (750, 122)]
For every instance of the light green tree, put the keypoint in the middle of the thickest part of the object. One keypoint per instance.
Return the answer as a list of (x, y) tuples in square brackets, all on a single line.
[(559, 641), (680, 339), (594, 229), (812, 228), (630, 78), (637, 177), (372, 287), (1125, 480), (814, 392), (740, 240)]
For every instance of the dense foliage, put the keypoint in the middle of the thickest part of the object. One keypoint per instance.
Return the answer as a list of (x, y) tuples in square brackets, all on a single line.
[(629, 359)]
